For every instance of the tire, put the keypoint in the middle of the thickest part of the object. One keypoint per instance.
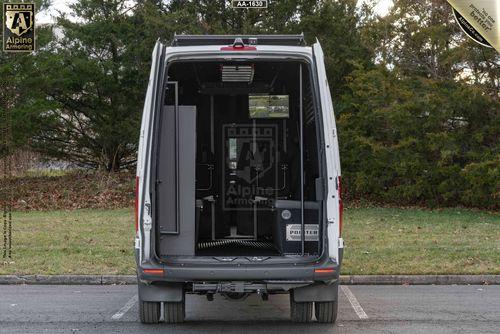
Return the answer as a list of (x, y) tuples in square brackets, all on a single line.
[(300, 311), (175, 312), (149, 312), (326, 312)]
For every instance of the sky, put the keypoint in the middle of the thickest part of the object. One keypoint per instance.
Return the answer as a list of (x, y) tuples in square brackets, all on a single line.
[(381, 8)]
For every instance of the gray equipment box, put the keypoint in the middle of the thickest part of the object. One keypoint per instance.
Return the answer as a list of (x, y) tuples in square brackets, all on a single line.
[(288, 230)]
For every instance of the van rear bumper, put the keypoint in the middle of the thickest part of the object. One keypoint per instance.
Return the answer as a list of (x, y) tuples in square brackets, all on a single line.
[(316, 281), (194, 274), (324, 271)]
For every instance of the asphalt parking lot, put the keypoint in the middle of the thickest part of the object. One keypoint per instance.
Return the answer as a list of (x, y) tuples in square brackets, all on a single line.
[(362, 309)]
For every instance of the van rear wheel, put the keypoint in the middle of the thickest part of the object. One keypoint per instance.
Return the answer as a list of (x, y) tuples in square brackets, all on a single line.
[(326, 312), (175, 312), (300, 311), (149, 312)]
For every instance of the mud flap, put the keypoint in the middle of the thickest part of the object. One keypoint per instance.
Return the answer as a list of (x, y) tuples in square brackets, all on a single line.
[(171, 292), (318, 292)]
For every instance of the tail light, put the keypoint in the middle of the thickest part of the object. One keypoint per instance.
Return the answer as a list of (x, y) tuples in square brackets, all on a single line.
[(341, 204), (136, 206), (238, 48), (153, 271)]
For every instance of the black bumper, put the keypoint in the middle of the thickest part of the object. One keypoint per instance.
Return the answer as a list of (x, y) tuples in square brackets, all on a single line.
[(325, 271), (317, 281)]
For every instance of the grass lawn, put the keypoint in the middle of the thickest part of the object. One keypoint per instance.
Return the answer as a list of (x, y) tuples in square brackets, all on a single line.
[(377, 241), (87, 241), (412, 241)]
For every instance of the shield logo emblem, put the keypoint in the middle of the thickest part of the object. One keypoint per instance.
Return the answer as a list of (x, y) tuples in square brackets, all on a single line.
[(250, 164), (18, 27), (20, 20)]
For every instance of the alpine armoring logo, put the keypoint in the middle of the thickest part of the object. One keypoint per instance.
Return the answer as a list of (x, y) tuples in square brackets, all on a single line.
[(19, 27), (249, 173)]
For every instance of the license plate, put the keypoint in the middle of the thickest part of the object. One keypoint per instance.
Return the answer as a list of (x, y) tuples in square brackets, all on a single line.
[(249, 4)]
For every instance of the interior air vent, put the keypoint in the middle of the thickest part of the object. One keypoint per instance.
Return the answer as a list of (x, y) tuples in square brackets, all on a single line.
[(237, 73)]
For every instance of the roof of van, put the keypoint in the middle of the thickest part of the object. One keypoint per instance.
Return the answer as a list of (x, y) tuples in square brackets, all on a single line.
[(284, 45), (250, 40)]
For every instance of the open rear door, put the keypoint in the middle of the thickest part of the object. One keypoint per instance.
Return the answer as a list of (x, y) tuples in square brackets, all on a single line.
[(175, 178), (332, 156), (151, 103)]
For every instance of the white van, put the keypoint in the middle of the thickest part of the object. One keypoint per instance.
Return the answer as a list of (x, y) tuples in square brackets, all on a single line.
[(238, 176)]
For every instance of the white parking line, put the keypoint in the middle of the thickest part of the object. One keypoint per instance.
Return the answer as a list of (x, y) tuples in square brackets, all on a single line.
[(354, 302), (125, 308)]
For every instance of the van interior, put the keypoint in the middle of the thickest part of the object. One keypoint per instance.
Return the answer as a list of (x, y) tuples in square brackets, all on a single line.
[(237, 164)]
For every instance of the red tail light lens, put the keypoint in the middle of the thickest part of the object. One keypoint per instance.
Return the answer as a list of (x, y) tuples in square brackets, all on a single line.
[(153, 271), (136, 207), (238, 48)]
